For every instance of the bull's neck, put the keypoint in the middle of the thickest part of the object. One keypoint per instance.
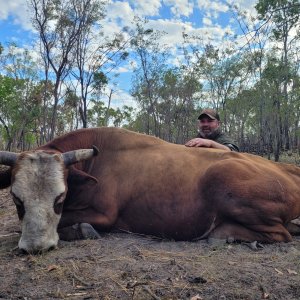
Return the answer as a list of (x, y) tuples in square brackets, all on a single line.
[(105, 138)]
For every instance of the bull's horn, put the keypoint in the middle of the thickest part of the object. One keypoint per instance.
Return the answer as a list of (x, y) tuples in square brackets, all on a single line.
[(75, 156), (8, 158)]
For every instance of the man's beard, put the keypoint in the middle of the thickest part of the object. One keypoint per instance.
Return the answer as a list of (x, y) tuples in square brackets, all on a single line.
[(211, 135)]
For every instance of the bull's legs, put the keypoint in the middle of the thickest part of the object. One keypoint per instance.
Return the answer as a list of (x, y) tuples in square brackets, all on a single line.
[(293, 228), (84, 224), (251, 201), (79, 231), (238, 232)]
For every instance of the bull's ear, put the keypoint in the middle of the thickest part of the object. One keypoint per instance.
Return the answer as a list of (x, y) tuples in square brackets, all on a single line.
[(78, 177), (75, 156)]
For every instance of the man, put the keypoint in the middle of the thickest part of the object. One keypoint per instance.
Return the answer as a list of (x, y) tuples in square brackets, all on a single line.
[(210, 134)]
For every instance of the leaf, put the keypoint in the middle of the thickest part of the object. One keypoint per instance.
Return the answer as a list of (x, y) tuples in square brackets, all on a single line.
[(278, 271), (52, 268), (76, 294), (292, 272), (196, 297), (265, 296)]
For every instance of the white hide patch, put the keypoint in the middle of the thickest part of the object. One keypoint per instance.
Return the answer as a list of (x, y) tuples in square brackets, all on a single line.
[(38, 181)]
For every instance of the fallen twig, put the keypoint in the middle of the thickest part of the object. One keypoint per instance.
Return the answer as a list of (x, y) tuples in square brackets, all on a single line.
[(147, 289), (81, 281)]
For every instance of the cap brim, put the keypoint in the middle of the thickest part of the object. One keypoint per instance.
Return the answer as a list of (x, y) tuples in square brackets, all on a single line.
[(208, 115)]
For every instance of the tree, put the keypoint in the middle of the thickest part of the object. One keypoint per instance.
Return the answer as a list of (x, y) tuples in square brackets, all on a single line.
[(223, 73), (151, 59), (18, 106), (61, 24), (93, 64), (284, 17)]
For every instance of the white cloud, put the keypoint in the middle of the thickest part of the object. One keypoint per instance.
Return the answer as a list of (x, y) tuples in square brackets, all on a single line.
[(172, 28), (120, 98), (119, 14), (247, 5), (180, 7), (119, 11), (207, 21), (146, 7), (213, 6), (123, 69), (18, 10)]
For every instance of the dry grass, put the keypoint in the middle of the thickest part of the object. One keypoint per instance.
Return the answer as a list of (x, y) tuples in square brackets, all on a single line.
[(128, 266)]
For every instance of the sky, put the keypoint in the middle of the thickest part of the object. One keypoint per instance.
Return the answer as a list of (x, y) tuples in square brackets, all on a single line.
[(210, 19)]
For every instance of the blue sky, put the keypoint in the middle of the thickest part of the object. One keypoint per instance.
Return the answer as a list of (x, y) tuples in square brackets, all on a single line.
[(209, 19)]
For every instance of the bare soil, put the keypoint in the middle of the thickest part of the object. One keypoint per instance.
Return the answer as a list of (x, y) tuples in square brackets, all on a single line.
[(128, 266)]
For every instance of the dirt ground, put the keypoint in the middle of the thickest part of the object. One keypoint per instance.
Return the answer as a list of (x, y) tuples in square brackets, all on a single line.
[(127, 266)]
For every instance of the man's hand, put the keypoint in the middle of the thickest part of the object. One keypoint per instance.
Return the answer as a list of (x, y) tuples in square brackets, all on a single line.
[(199, 142)]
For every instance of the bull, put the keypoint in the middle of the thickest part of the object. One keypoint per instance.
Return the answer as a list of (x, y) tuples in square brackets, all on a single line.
[(142, 184)]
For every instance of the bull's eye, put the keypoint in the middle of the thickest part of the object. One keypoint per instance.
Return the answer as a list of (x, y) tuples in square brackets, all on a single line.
[(19, 205), (58, 203)]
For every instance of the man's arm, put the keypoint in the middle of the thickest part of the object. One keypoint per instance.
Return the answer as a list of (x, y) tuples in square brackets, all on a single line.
[(232, 147), (200, 142)]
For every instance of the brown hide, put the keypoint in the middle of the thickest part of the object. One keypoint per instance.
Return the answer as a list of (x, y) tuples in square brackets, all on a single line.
[(142, 184), (149, 186)]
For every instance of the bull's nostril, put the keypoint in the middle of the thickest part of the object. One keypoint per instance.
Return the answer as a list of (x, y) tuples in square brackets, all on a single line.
[(52, 248), (37, 251), (21, 251)]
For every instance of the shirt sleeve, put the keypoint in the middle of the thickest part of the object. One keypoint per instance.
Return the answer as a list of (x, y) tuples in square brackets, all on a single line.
[(228, 142), (232, 147)]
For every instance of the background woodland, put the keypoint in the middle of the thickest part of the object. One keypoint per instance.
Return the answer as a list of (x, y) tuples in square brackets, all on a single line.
[(67, 82)]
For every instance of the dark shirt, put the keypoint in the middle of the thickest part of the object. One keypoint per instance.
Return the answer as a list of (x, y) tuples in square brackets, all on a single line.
[(225, 140)]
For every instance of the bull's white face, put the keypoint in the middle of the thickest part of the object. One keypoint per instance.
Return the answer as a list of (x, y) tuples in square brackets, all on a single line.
[(39, 189)]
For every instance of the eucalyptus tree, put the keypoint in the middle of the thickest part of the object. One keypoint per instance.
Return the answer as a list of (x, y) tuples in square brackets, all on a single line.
[(179, 93), (18, 108), (96, 56), (60, 25), (98, 115), (255, 39), (295, 109), (222, 71), (274, 75), (151, 61), (284, 17), (167, 96), (7, 108)]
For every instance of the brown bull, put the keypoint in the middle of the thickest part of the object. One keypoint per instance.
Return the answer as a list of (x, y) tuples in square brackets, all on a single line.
[(142, 184)]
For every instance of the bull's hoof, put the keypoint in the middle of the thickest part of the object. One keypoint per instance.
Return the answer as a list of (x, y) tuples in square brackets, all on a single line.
[(254, 245), (88, 232), (79, 231)]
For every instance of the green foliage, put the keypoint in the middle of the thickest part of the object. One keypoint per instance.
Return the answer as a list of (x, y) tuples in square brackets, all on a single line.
[(256, 90), (17, 114), (100, 115), (99, 80), (284, 14)]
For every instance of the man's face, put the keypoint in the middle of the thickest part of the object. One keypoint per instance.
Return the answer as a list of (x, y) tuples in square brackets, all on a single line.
[(208, 126)]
